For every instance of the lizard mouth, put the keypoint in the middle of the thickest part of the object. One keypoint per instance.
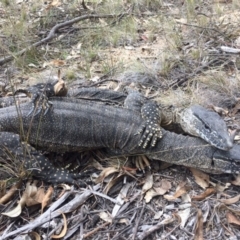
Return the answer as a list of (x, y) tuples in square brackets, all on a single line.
[(217, 141), (208, 125), (228, 160)]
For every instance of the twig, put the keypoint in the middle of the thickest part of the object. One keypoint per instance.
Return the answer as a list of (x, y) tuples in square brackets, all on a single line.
[(54, 30), (196, 26), (104, 196), (95, 230), (156, 227), (52, 212), (137, 223), (198, 70)]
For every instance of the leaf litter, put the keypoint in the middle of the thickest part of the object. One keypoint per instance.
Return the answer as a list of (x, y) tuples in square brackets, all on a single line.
[(169, 204)]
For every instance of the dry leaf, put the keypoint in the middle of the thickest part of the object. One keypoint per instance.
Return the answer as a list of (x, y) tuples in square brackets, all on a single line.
[(10, 193), (55, 3), (39, 196), (112, 183), (47, 198), (121, 198), (34, 235), (179, 192), (64, 231), (158, 215), (57, 63), (163, 187), (236, 182), (124, 220), (105, 216), (148, 183), (231, 200), (184, 216), (105, 173), (18, 209), (3, 185), (199, 226), (220, 188), (185, 209), (149, 195), (205, 194), (220, 110), (201, 178), (232, 219), (31, 189)]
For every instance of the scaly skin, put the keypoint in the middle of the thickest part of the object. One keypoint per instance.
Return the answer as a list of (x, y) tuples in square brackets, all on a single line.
[(74, 125), (195, 120), (40, 93), (13, 149)]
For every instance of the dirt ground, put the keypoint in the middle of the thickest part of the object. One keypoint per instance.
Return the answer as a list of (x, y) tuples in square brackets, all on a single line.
[(178, 53)]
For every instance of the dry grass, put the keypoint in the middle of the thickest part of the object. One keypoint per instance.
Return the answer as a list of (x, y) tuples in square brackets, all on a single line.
[(174, 41)]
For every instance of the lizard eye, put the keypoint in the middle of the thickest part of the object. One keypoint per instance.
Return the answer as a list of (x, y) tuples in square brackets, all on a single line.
[(207, 127)]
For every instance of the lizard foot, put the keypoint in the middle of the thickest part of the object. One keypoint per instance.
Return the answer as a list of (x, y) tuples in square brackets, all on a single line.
[(150, 130), (142, 162), (150, 133)]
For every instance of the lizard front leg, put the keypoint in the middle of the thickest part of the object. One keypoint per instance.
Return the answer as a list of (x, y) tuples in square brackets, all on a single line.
[(150, 112)]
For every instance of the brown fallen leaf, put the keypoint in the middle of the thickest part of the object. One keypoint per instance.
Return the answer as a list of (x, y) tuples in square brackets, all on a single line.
[(219, 110), (222, 207), (182, 189), (57, 63), (199, 226), (150, 194), (31, 191), (39, 196), (163, 187), (114, 181), (148, 183), (3, 185), (205, 194), (220, 188), (231, 200), (236, 182), (46, 199), (105, 173), (184, 215), (201, 178), (232, 219), (10, 193), (64, 231)]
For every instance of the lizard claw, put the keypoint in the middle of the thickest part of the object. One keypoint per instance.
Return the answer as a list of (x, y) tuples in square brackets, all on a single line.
[(141, 163)]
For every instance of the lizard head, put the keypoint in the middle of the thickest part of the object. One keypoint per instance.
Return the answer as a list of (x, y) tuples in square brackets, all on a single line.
[(201, 122)]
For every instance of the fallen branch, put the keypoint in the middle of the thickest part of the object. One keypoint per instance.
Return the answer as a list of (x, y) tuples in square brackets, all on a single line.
[(54, 30), (53, 212)]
